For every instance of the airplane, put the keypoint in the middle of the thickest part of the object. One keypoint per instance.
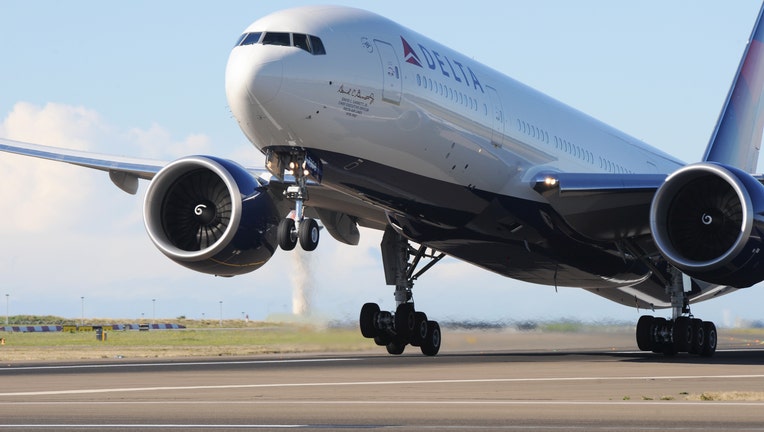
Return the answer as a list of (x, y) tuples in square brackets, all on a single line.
[(366, 123)]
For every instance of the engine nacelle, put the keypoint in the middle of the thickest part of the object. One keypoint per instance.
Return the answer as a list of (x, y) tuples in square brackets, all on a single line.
[(211, 215), (707, 220)]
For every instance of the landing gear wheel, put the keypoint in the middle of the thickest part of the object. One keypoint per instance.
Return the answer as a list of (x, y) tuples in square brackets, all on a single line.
[(698, 336), (308, 234), (419, 334), (285, 234), (709, 344), (382, 339), (368, 318), (405, 326), (682, 334), (431, 345), (658, 342), (405, 320), (645, 333), (396, 347)]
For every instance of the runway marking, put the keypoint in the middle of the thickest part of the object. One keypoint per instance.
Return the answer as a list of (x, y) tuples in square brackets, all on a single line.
[(129, 426), (169, 364), (167, 426), (371, 383), (514, 402)]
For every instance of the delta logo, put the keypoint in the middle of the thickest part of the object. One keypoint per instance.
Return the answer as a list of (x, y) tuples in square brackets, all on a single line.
[(461, 73), (409, 55)]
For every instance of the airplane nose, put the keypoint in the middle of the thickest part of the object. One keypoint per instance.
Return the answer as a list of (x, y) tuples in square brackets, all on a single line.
[(253, 78)]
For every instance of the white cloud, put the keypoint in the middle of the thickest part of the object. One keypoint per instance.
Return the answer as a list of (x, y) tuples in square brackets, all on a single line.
[(157, 142), (41, 195)]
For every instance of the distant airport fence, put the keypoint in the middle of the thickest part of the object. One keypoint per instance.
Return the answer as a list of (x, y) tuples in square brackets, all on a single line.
[(90, 328)]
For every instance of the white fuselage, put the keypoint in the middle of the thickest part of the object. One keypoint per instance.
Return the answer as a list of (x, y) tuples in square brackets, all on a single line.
[(386, 94)]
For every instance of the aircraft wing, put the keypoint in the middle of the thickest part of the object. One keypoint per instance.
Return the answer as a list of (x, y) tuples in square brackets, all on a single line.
[(602, 207), (123, 171), (337, 211)]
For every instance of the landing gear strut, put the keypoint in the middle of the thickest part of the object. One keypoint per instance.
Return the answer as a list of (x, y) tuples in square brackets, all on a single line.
[(406, 326), (296, 227), (683, 333)]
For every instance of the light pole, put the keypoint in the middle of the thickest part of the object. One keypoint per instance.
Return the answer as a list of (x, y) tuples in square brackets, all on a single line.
[(221, 313), (7, 308), (153, 310), (82, 321)]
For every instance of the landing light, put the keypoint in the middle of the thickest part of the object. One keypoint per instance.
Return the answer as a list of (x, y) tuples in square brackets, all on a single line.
[(546, 183)]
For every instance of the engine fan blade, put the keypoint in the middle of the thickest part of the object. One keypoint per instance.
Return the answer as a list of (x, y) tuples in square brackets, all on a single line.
[(705, 218), (197, 210)]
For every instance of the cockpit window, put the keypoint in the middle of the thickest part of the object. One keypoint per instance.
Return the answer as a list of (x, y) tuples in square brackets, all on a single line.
[(249, 38), (280, 39), (309, 43), (301, 41), (317, 47)]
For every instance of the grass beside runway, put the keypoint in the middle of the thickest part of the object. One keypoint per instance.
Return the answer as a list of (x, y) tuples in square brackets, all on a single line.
[(192, 342), (245, 338)]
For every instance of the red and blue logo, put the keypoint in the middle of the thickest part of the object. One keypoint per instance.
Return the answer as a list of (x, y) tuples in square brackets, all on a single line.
[(409, 54), (448, 67)]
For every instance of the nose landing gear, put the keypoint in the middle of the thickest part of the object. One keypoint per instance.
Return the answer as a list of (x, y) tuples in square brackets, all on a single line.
[(296, 227)]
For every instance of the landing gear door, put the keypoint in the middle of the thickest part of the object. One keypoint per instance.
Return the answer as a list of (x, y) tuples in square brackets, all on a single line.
[(392, 81)]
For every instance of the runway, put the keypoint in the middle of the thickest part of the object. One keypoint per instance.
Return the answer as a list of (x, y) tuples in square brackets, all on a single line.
[(524, 389)]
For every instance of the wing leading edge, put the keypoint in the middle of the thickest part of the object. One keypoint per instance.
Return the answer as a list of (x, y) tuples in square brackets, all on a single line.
[(123, 171)]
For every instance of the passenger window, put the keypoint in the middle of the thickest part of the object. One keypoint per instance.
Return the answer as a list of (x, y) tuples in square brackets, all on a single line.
[(272, 38), (301, 41), (317, 47)]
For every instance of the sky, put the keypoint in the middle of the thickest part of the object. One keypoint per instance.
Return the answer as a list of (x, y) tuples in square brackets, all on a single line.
[(146, 79)]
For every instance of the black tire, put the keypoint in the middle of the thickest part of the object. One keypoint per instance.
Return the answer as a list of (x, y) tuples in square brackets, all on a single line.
[(669, 349), (431, 345), (645, 333), (657, 334), (420, 329), (396, 347), (368, 320), (698, 336), (709, 344), (405, 320), (287, 241), (382, 339), (682, 334), (308, 234)]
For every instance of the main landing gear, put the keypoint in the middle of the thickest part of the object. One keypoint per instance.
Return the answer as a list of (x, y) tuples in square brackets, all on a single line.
[(406, 326), (683, 333), (296, 227)]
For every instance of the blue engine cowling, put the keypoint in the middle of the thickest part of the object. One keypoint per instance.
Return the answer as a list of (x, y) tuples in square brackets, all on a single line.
[(211, 215), (707, 220)]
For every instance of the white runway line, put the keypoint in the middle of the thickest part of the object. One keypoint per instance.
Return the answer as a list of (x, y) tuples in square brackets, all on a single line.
[(373, 383), (377, 402)]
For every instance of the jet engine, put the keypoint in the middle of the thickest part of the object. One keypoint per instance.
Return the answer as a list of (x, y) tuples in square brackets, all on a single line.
[(211, 215), (707, 220)]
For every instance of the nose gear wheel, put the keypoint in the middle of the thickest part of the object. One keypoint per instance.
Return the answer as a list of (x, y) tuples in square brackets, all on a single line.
[(296, 227)]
